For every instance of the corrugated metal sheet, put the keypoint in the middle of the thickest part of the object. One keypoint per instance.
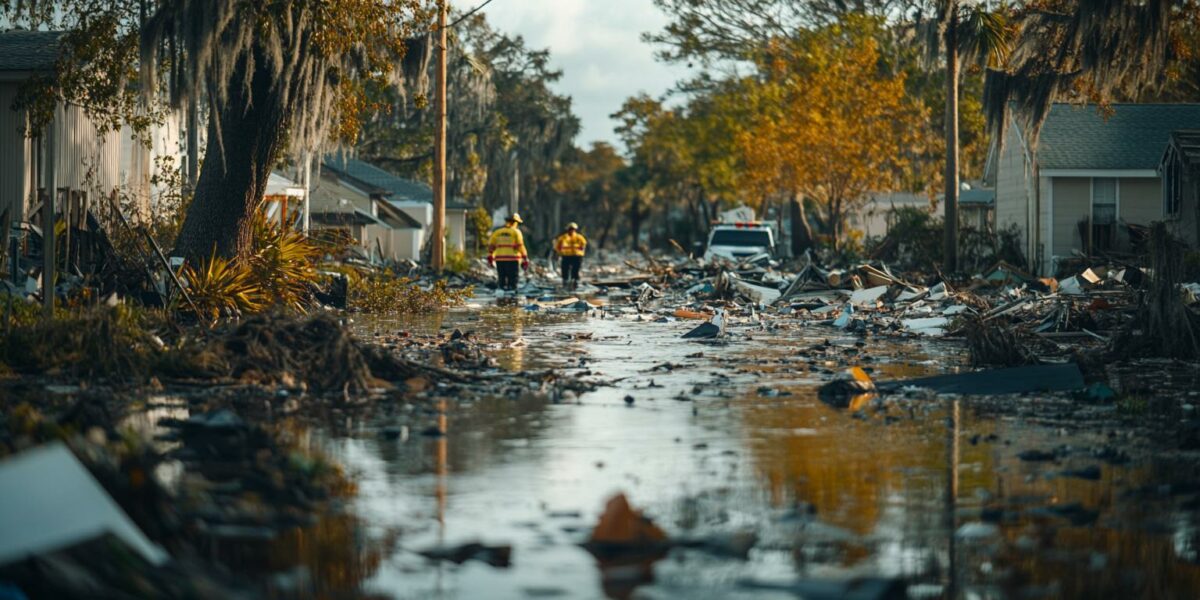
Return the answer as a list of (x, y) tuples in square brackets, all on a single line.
[(88, 159)]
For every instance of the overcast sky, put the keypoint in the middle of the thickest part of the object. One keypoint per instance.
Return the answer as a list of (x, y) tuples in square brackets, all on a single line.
[(597, 45)]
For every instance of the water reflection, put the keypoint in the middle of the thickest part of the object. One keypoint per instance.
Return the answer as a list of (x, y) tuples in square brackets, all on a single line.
[(832, 492)]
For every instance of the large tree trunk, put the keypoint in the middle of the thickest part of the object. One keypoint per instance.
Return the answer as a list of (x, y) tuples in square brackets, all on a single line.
[(237, 165), (950, 219)]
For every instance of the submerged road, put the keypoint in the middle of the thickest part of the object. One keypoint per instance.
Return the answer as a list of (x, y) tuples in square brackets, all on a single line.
[(721, 441)]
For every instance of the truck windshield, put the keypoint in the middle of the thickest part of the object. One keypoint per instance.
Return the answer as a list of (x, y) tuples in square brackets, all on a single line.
[(741, 237)]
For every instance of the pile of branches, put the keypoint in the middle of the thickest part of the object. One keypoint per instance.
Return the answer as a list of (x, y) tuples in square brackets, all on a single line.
[(990, 344), (277, 349)]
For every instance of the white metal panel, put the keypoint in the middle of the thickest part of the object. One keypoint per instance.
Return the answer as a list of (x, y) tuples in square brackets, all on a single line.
[(16, 153)]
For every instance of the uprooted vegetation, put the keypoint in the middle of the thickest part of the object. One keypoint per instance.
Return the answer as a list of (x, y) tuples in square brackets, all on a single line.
[(107, 342), (283, 271), (125, 345)]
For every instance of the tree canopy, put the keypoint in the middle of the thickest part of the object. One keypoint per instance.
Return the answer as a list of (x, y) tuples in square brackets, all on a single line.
[(274, 75)]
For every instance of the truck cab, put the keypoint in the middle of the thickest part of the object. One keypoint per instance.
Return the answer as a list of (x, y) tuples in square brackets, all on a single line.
[(737, 242)]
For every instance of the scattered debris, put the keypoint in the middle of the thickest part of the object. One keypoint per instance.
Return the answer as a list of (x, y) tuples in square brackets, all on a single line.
[(623, 531)]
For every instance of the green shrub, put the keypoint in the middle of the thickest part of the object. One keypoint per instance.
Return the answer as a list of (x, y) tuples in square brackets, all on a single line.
[(457, 261), (220, 287)]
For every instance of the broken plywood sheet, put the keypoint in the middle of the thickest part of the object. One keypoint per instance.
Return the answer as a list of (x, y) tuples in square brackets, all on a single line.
[(760, 294), (54, 502), (868, 296)]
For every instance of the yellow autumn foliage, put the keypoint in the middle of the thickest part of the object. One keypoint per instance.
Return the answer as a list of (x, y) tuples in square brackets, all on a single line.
[(832, 122)]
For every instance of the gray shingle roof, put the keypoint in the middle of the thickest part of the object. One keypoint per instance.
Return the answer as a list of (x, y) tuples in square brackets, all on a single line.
[(336, 218), (1133, 137), (401, 189), (28, 50), (394, 217)]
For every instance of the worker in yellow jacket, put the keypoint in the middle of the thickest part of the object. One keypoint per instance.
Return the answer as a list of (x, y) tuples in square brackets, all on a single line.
[(570, 246), (506, 252)]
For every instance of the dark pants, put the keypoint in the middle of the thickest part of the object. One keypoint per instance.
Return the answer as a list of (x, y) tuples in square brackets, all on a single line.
[(570, 268), (507, 271)]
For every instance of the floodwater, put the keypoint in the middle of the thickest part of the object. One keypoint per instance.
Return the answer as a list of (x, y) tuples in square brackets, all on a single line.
[(729, 439)]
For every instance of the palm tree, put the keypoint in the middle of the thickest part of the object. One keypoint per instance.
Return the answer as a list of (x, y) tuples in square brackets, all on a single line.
[(965, 34)]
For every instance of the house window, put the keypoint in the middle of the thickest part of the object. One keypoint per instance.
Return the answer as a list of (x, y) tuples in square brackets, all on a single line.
[(1104, 213)]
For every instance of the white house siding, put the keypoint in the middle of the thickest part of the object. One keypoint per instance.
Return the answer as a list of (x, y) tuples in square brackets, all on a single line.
[(1140, 199), (873, 219), (1072, 204), (456, 223), (16, 166), (421, 212), (406, 244), (1012, 193), (1041, 214)]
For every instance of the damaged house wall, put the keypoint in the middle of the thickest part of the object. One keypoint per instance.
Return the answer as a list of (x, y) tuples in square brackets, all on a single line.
[(1180, 170)]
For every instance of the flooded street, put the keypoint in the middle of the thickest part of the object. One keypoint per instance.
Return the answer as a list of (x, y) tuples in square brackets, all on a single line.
[(720, 441)]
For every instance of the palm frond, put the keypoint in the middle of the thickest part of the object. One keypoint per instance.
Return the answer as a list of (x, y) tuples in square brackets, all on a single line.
[(984, 37)]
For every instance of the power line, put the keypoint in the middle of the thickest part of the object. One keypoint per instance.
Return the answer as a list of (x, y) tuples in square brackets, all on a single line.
[(469, 13)]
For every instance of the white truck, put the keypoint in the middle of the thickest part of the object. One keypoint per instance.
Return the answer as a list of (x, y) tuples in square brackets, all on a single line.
[(740, 241)]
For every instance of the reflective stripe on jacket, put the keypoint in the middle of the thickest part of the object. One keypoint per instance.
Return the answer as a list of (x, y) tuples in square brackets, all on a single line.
[(571, 244), (507, 243)]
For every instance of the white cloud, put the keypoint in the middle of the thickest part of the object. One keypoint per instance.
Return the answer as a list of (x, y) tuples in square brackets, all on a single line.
[(597, 45)]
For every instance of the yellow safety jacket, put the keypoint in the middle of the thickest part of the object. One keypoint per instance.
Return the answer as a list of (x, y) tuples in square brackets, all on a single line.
[(507, 243), (571, 244)]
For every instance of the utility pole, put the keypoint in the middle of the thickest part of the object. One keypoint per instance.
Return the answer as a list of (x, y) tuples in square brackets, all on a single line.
[(950, 217), (439, 147), (306, 181), (514, 202)]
